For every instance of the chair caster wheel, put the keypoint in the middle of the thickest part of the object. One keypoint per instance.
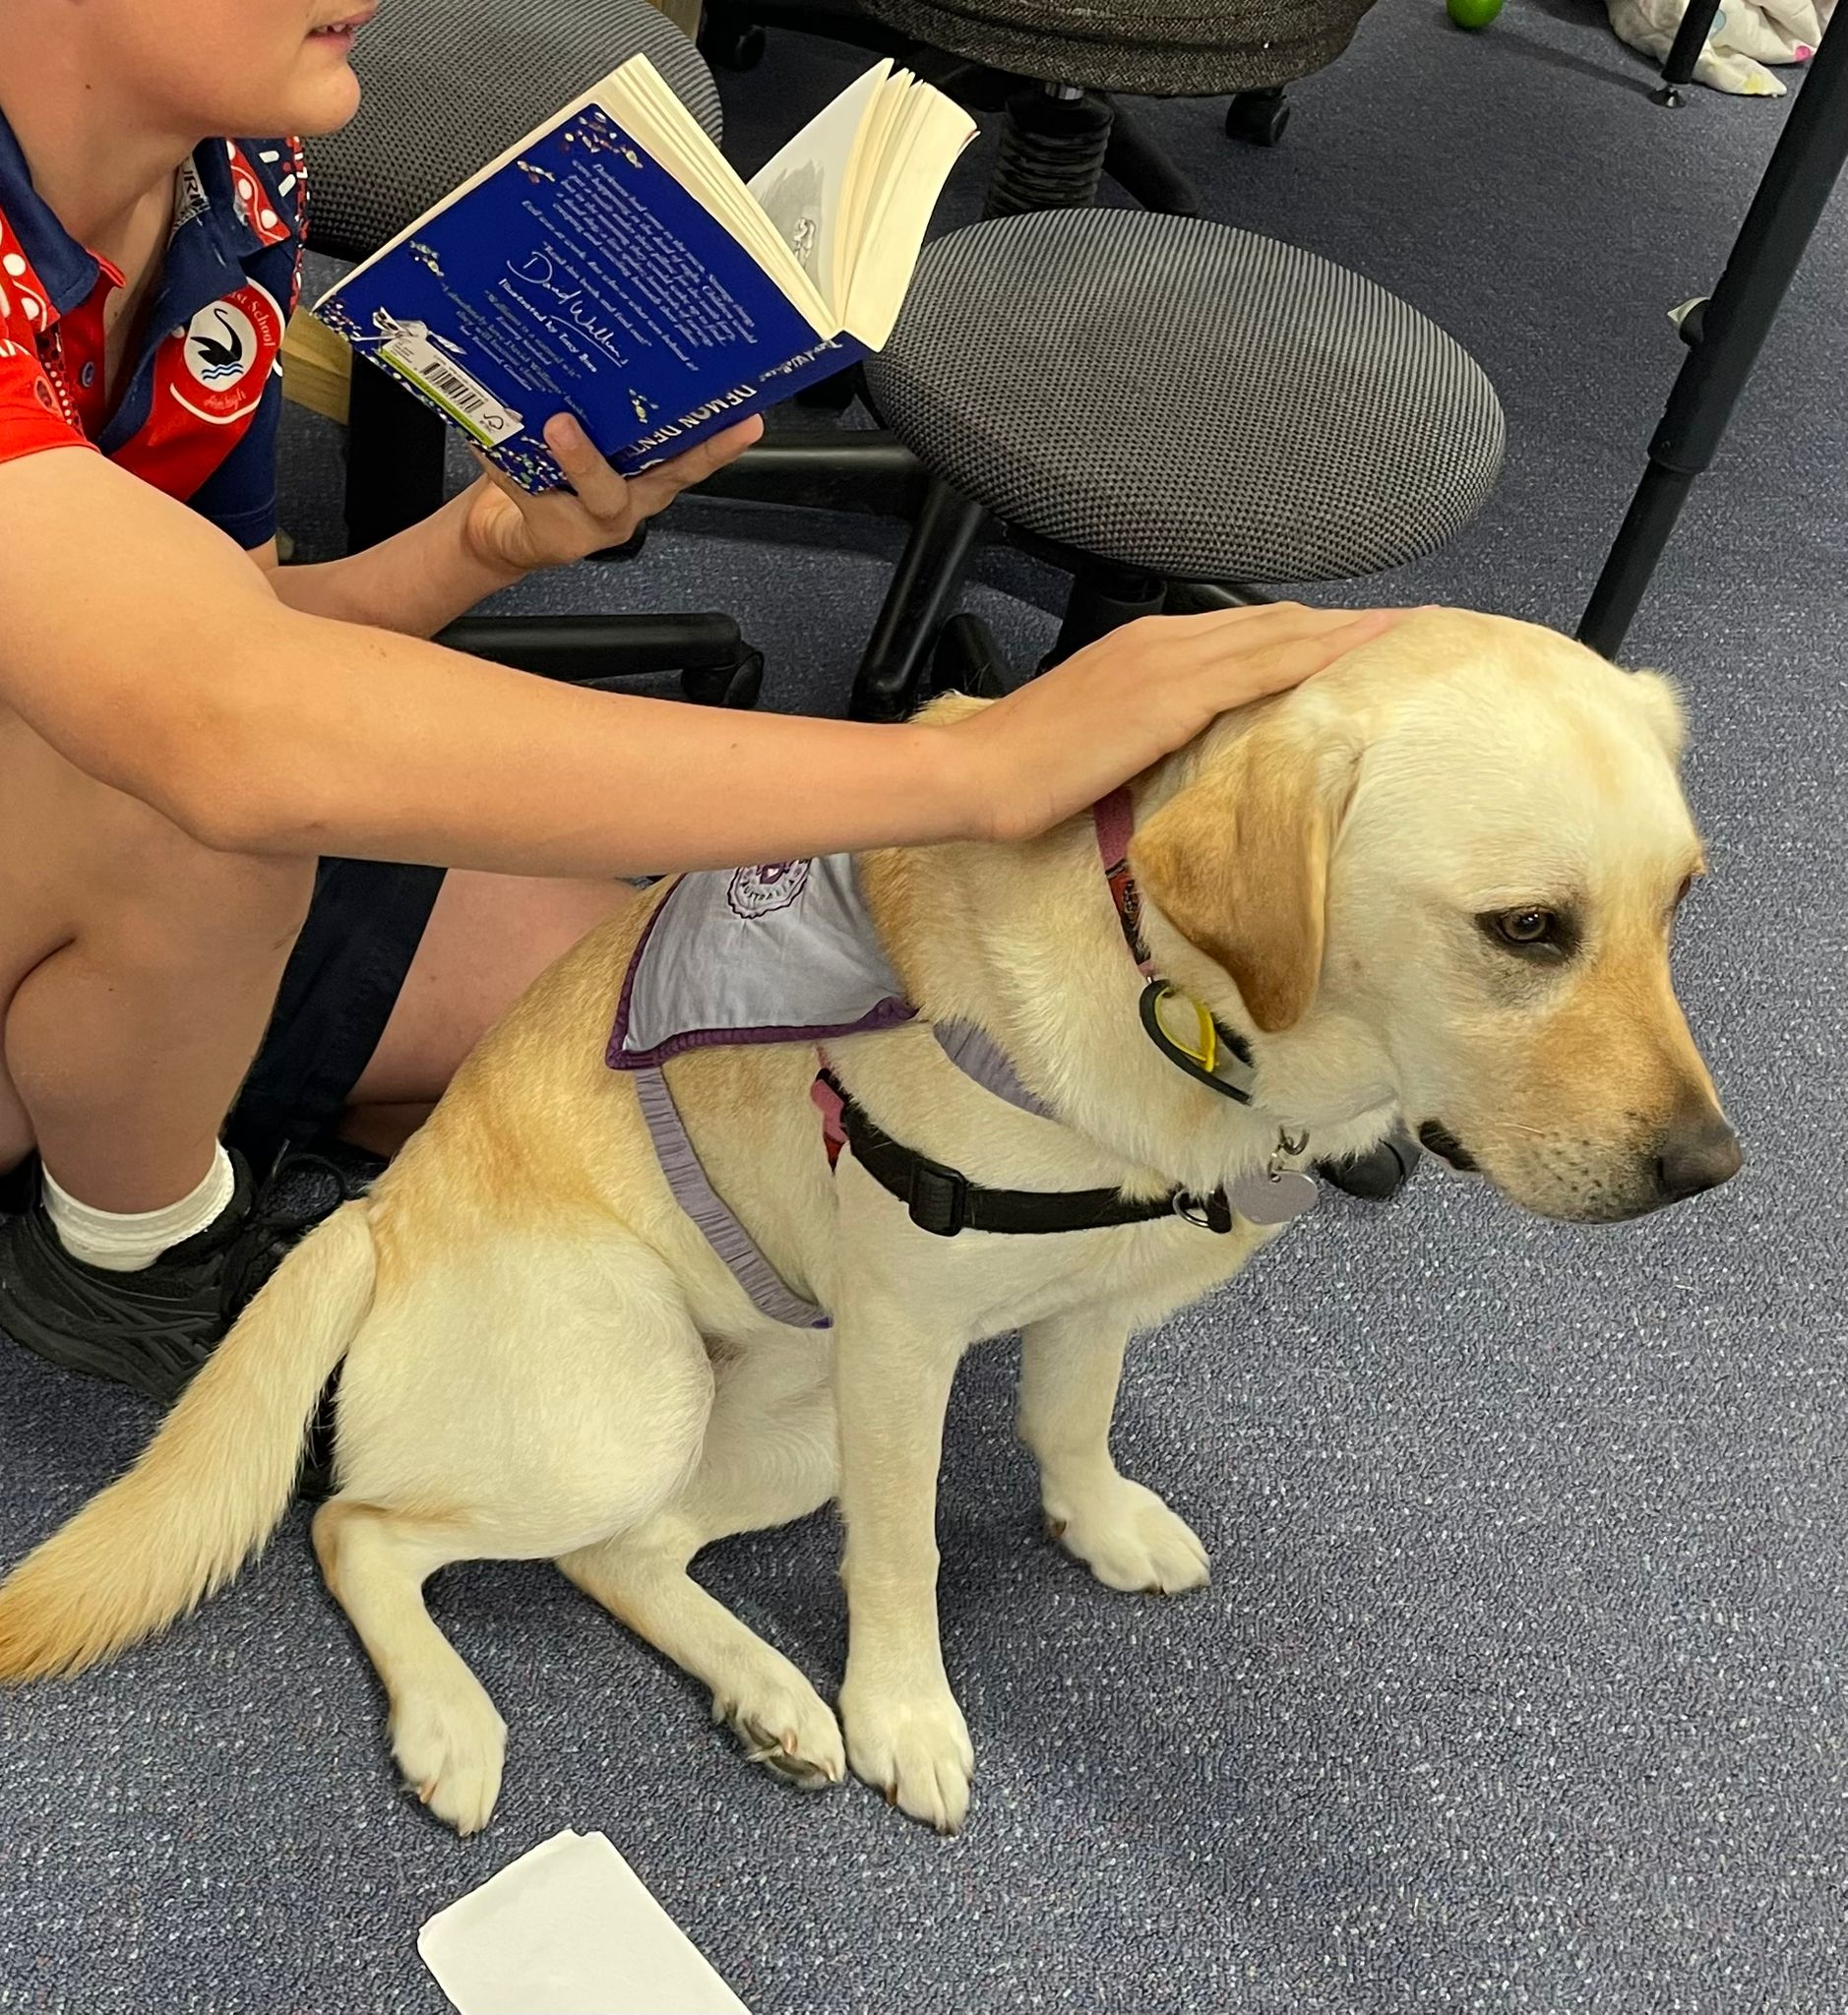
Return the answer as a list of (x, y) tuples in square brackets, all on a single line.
[(727, 48), (1258, 117), (737, 685)]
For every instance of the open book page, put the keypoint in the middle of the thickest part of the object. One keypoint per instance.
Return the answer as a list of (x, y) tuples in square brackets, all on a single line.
[(902, 188), (640, 101), (803, 189)]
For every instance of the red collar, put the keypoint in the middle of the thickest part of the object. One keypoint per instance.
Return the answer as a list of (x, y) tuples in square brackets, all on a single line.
[(1114, 820)]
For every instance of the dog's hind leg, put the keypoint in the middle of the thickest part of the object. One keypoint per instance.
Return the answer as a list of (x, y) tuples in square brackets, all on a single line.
[(769, 1458), (529, 1392), (445, 1734)]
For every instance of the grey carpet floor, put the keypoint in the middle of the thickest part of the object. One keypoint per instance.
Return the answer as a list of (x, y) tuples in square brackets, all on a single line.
[(1519, 1686)]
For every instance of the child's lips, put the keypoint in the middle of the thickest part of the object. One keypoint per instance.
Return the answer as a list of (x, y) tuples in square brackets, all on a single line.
[(345, 27)]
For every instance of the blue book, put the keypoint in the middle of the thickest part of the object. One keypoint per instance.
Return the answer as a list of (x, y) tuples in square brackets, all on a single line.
[(613, 266)]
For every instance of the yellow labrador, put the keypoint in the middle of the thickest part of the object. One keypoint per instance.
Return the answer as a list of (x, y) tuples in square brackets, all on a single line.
[(1440, 881)]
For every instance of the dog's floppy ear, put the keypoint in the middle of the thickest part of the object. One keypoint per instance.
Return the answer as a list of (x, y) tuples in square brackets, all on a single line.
[(1662, 710), (1238, 863)]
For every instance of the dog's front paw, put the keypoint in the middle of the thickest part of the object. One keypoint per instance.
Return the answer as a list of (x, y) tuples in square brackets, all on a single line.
[(784, 1723), (450, 1744), (1128, 1538), (914, 1749)]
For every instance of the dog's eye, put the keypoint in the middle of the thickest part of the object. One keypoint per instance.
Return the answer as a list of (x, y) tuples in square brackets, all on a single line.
[(1532, 931), (1525, 927)]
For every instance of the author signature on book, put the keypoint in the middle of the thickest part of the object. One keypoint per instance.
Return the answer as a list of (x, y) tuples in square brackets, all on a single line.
[(538, 270)]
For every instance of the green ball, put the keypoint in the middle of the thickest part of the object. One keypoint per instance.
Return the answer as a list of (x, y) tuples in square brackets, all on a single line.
[(1473, 12)]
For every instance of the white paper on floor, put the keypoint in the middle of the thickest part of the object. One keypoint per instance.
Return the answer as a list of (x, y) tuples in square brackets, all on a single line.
[(569, 1929)]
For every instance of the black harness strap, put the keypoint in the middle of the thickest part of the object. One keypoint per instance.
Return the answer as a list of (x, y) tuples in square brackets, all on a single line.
[(944, 1201)]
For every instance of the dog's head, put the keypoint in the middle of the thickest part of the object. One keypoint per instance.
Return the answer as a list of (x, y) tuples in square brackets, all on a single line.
[(1461, 851)]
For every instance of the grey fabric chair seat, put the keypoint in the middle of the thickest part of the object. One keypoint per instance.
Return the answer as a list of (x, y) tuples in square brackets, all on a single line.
[(1186, 399), (1166, 48), (409, 146)]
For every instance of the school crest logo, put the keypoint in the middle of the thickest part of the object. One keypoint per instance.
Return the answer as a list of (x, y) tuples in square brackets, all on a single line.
[(762, 891), (225, 352)]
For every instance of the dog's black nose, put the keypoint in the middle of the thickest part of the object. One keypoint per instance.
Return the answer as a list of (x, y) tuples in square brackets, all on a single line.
[(1696, 1153)]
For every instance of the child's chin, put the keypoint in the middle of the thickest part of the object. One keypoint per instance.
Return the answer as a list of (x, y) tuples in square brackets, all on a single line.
[(323, 104)]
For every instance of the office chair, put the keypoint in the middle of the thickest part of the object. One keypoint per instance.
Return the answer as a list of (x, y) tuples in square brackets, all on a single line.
[(985, 57), (445, 89), (1168, 410), (1165, 409), (1254, 413)]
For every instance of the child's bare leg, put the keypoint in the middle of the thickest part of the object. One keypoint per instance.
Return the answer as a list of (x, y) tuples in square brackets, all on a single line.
[(138, 969)]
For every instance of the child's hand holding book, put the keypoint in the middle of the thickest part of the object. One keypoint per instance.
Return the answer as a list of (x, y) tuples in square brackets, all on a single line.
[(513, 530)]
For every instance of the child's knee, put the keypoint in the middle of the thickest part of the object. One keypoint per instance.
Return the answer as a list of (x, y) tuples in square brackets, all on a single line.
[(188, 903)]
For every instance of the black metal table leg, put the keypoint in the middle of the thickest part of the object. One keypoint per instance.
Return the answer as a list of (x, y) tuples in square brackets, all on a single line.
[(1790, 198), (1684, 51)]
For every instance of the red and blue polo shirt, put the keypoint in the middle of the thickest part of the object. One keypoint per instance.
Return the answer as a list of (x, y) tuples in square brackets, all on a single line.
[(198, 397)]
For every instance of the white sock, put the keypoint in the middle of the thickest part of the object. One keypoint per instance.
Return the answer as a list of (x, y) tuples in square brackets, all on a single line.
[(124, 1242)]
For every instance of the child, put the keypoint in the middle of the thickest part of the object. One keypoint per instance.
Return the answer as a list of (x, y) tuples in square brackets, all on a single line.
[(213, 771)]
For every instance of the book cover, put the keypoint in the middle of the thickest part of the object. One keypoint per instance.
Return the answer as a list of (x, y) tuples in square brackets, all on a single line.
[(581, 278)]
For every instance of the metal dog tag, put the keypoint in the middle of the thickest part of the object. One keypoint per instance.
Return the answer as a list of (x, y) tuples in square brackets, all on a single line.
[(1268, 1200)]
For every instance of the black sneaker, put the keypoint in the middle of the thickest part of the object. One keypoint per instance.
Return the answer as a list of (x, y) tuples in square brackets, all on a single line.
[(151, 1330), (19, 1188), (1379, 1175), (307, 1185)]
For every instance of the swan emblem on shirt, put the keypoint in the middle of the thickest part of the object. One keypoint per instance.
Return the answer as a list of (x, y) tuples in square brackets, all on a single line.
[(219, 358)]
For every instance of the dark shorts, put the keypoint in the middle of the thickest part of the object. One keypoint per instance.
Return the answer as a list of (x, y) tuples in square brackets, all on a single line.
[(338, 988)]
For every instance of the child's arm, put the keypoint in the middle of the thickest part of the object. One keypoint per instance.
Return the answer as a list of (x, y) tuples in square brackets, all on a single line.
[(493, 533), (144, 647)]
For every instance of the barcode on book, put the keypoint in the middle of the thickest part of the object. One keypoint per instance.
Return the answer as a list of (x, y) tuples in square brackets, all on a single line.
[(453, 384), (464, 396)]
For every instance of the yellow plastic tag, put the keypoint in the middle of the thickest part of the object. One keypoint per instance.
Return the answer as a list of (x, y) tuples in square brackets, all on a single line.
[(1206, 1051)]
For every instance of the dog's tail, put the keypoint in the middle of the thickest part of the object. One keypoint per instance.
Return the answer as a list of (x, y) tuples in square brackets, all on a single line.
[(213, 1483)]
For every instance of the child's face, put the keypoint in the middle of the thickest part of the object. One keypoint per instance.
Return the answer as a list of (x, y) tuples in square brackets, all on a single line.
[(206, 67)]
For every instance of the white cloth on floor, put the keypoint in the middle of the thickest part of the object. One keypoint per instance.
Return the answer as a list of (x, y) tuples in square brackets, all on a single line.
[(1747, 35), (569, 1929)]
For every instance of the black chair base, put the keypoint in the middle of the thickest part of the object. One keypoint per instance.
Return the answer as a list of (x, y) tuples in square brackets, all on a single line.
[(716, 665), (395, 458), (964, 658), (1258, 117), (921, 598), (923, 644)]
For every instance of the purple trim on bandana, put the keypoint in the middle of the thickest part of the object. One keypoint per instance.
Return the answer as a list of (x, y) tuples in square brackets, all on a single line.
[(889, 1012), (976, 1054), (680, 1164)]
